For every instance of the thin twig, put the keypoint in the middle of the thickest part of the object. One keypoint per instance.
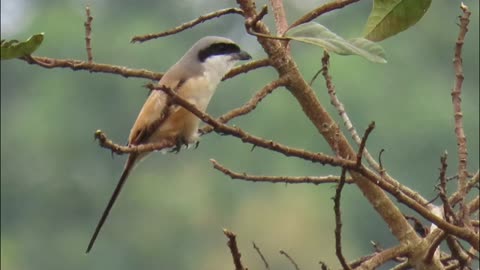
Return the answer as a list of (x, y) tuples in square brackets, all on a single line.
[(246, 68), (338, 221), (232, 245), (280, 16), (290, 259), (458, 253), (279, 179), (455, 197), (74, 64), (458, 114), (261, 256), (361, 149), (187, 25), (120, 149), (312, 15), (351, 129), (380, 257), (260, 142), (88, 32), (442, 191), (250, 105), (433, 249)]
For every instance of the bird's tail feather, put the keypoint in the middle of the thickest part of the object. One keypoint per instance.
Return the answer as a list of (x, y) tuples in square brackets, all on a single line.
[(132, 160)]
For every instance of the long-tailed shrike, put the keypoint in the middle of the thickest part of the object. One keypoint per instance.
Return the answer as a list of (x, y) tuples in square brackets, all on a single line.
[(194, 77)]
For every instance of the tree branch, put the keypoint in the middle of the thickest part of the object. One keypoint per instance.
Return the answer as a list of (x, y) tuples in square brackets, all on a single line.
[(250, 105), (338, 222), (279, 179), (188, 25), (290, 259), (88, 31), (257, 141), (458, 114), (312, 15), (261, 256), (232, 245)]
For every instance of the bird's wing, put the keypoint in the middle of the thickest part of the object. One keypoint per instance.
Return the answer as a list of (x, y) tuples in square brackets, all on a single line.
[(153, 113)]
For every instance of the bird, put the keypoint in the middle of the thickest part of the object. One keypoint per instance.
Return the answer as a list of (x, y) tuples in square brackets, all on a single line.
[(195, 78)]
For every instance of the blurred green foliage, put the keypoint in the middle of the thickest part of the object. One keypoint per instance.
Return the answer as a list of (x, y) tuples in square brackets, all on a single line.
[(55, 180)]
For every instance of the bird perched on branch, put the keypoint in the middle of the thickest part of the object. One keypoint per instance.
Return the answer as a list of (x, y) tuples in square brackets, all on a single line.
[(195, 78)]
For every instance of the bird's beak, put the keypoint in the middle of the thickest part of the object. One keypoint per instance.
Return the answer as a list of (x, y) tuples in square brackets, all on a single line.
[(242, 55)]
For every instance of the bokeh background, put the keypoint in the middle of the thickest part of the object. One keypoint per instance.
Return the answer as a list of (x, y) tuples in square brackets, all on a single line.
[(55, 180)]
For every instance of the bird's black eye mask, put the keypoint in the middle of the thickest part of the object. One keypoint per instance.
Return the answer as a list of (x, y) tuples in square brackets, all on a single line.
[(218, 49)]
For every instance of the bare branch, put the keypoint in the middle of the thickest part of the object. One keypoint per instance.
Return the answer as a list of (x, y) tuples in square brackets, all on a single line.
[(257, 141), (383, 256), (442, 191), (261, 256), (455, 197), (290, 259), (232, 245), (47, 62), (279, 179), (460, 232), (250, 105), (188, 25), (458, 253), (361, 149), (434, 244), (312, 15), (348, 124), (280, 17), (338, 221), (120, 149), (458, 114), (88, 32), (246, 68)]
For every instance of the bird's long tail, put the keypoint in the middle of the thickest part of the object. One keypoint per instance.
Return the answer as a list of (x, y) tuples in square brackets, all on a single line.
[(126, 171)]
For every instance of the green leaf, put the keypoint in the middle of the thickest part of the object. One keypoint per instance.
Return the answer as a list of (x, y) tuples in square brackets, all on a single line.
[(14, 49), (319, 35), (390, 17)]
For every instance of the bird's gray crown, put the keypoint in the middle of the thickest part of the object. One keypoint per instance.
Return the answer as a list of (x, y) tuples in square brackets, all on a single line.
[(213, 45)]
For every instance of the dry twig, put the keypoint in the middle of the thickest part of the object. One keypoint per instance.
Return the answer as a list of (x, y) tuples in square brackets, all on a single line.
[(290, 259), (232, 245), (312, 15), (250, 105), (187, 25), (261, 256), (88, 32), (279, 179), (442, 191), (458, 114), (338, 221)]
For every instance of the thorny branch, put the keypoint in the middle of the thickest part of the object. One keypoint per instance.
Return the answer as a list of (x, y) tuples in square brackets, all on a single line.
[(261, 256), (458, 115), (73, 64), (187, 25), (250, 105), (312, 15), (120, 149), (290, 259), (361, 149), (232, 245), (442, 191), (338, 221), (279, 179), (88, 32), (234, 131)]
